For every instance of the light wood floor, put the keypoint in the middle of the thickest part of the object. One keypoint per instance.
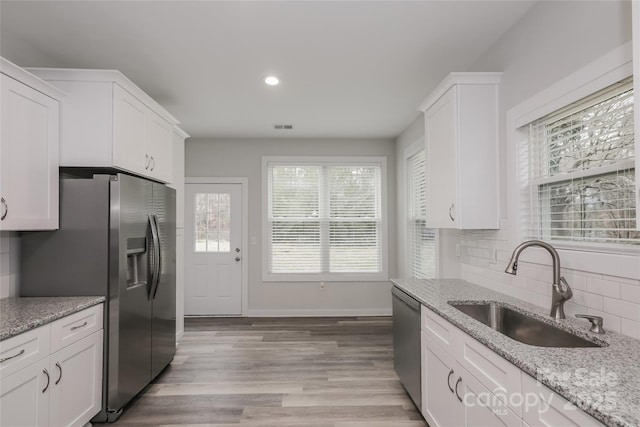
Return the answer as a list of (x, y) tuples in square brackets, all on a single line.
[(311, 372)]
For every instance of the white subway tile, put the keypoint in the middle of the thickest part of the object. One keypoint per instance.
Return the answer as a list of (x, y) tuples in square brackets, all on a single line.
[(603, 287), (631, 328), (543, 301), (571, 309), (630, 293), (588, 300), (626, 280), (620, 308), (576, 281)]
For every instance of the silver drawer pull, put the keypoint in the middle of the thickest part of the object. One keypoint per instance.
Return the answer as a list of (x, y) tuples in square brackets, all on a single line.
[(4, 359), (73, 328)]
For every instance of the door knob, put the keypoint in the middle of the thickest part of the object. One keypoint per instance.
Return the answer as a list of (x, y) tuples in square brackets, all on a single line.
[(237, 259)]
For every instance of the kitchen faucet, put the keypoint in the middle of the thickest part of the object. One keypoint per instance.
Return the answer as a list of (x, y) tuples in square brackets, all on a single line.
[(559, 296)]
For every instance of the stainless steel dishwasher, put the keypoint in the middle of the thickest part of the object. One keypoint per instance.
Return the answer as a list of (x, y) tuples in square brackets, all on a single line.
[(406, 343)]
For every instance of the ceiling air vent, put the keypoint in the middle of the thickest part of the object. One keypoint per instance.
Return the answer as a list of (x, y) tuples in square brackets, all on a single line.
[(285, 127)]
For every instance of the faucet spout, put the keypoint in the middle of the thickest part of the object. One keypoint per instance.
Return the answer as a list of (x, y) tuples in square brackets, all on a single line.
[(559, 295)]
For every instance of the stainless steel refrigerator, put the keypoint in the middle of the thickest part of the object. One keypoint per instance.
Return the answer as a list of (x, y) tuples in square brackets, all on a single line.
[(117, 239)]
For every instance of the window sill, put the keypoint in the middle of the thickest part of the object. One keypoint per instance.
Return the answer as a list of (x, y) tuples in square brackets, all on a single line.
[(354, 277), (611, 264)]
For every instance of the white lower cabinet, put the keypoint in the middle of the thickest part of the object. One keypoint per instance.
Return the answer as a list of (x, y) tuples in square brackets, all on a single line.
[(76, 389), (464, 383), (24, 400), (59, 389), (453, 397)]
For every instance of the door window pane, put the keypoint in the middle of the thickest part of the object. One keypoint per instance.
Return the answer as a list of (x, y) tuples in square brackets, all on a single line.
[(213, 222)]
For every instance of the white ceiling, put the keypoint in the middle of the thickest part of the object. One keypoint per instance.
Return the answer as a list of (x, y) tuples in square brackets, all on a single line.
[(347, 69)]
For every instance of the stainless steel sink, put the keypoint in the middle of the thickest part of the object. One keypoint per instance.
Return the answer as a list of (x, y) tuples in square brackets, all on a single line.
[(522, 327)]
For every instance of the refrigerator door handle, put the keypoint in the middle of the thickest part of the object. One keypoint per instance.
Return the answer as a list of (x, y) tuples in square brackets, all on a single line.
[(155, 275), (159, 258)]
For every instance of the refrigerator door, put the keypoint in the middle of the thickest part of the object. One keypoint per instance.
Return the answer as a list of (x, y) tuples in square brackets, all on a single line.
[(163, 327), (130, 309)]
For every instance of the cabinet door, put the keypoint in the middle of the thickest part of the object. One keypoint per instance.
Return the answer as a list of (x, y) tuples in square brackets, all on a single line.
[(480, 407), (28, 158), (440, 406), (159, 147), (76, 382), (551, 410), (24, 396), (129, 132), (442, 167)]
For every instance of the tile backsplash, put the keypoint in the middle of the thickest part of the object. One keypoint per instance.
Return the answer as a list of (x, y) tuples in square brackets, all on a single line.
[(484, 256), (9, 264)]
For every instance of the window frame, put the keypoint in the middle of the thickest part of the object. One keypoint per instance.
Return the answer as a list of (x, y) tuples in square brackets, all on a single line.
[(409, 152), (601, 73), (380, 162)]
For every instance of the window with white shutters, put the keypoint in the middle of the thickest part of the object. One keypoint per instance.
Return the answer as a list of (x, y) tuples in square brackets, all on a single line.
[(579, 171), (421, 241), (324, 221)]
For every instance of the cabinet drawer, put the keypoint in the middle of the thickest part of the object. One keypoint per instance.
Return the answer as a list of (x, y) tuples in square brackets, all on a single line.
[(552, 410), (437, 328), (497, 374), (24, 349), (76, 326)]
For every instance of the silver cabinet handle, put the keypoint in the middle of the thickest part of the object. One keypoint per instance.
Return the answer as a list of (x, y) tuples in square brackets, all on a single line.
[(146, 161), (153, 163), (457, 384), (44, 371), (450, 209), (449, 380), (4, 359), (60, 377), (5, 206), (73, 328)]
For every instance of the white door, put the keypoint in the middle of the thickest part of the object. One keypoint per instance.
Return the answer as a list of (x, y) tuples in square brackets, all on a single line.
[(213, 253)]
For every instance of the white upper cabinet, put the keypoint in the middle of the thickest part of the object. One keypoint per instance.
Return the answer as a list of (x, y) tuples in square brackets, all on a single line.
[(108, 121), (28, 150), (461, 134)]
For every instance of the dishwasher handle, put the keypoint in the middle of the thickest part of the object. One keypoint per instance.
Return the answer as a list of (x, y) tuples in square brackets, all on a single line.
[(415, 305)]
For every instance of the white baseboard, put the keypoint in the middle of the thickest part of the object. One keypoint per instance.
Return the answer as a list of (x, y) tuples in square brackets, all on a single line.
[(179, 335), (321, 313)]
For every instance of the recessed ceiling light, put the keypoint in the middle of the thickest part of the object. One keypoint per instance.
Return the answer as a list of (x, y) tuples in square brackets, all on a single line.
[(271, 80)]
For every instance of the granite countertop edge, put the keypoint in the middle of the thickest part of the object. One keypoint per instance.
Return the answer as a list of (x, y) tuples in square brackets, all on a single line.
[(617, 356), (20, 315)]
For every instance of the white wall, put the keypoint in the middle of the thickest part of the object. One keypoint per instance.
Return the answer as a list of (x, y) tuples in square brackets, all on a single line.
[(552, 41), (243, 158), (9, 264)]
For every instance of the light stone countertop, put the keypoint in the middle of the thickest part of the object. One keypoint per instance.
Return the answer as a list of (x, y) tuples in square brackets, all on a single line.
[(604, 382), (19, 315)]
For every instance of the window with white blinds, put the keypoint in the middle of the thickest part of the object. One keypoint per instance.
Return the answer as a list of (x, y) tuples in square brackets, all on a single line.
[(579, 171), (324, 219), (421, 241)]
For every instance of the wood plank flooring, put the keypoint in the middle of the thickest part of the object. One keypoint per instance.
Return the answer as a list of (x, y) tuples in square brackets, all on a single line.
[(279, 372)]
